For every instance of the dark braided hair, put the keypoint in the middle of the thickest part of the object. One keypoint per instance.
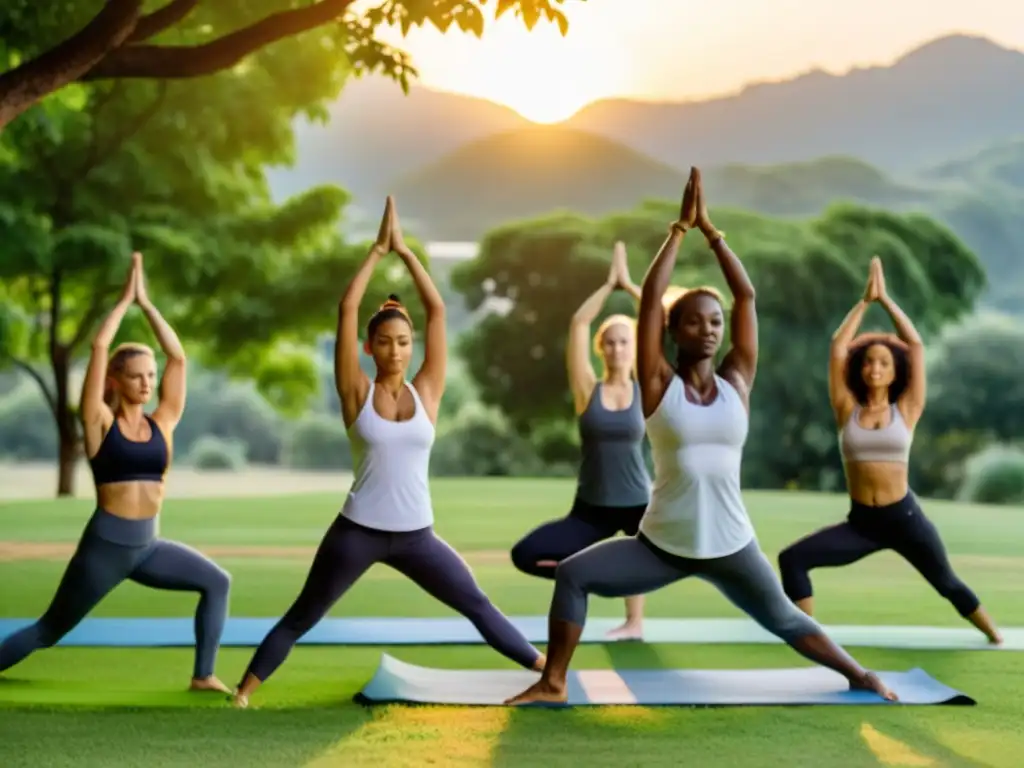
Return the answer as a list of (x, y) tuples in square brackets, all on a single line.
[(389, 310)]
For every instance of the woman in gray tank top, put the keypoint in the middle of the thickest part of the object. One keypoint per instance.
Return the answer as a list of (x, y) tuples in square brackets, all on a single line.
[(697, 423), (877, 389), (613, 486), (387, 516)]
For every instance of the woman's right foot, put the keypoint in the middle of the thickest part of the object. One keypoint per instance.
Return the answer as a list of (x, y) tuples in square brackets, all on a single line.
[(543, 691), (241, 701), (869, 681)]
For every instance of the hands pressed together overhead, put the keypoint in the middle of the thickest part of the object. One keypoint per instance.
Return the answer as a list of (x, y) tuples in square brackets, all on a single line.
[(135, 286), (693, 210), (875, 289)]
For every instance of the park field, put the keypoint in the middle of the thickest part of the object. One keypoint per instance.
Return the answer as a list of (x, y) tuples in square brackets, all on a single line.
[(128, 707)]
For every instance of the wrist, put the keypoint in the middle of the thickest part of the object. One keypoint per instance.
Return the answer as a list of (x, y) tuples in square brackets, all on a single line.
[(678, 228)]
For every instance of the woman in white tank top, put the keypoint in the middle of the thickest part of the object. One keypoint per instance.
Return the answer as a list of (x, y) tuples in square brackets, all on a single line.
[(387, 517), (696, 523)]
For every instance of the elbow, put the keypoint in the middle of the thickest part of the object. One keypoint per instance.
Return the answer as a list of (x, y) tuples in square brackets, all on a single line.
[(746, 293), (176, 356)]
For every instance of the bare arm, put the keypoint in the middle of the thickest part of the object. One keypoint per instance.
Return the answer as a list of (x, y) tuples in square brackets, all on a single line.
[(350, 382), (654, 373), (839, 352), (173, 382), (913, 400), (740, 363), (582, 378), (94, 413)]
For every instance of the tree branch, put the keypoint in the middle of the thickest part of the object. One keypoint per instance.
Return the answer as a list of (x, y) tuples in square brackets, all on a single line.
[(66, 62), (47, 393), (163, 18), (170, 62), (126, 129)]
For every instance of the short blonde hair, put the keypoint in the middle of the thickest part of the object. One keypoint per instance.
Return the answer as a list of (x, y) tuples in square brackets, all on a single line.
[(608, 322), (118, 359)]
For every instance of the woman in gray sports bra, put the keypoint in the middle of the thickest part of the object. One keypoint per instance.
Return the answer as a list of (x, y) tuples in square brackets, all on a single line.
[(877, 389), (613, 486)]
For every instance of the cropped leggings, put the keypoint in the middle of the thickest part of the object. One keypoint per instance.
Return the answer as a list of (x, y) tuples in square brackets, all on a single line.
[(901, 527), (113, 549), (634, 566), (348, 550)]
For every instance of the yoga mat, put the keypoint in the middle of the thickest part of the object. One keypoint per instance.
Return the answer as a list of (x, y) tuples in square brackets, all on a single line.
[(398, 682), (153, 632)]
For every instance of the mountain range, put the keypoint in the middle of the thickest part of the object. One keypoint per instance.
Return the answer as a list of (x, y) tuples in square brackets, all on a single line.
[(948, 98)]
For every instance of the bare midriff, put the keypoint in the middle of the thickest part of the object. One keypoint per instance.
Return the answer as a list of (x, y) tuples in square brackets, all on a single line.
[(877, 483), (132, 500)]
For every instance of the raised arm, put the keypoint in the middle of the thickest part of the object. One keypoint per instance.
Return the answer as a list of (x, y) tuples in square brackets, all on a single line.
[(94, 413), (430, 379), (739, 366), (839, 394), (172, 384), (912, 401), (654, 373), (582, 378), (350, 382)]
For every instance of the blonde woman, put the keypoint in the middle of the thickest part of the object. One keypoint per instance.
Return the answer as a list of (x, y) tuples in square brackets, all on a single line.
[(129, 452), (613, 487)]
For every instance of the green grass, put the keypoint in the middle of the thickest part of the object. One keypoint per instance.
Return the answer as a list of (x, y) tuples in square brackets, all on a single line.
[(87, 707)]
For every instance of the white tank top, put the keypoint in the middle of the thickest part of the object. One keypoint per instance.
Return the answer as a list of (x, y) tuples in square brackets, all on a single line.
[(696, 507), (390, 491)]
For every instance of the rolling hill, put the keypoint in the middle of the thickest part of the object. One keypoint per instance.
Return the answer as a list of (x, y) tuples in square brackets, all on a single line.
[(948, 98), (523, 173)]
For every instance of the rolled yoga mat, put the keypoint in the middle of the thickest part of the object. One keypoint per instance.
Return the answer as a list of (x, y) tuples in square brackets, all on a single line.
[(177, 632), (398, 682)]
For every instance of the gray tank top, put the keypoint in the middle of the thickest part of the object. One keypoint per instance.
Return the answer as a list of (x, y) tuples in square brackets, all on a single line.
[(889, 444), (613, 473)]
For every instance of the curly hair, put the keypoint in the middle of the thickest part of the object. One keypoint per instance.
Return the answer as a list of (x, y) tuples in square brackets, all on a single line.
[(855, 364), (389, 310), (675, 310)]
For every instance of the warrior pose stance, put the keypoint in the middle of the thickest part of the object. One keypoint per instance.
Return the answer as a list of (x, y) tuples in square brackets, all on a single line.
[(696, 523), (387, 516), (877, 388), (130, 452), (613, 487)]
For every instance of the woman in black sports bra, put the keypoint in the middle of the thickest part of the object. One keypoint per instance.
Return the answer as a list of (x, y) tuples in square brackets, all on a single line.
[(130, 452)]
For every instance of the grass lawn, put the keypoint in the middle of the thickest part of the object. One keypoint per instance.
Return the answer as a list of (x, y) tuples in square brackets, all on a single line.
[(126, 707)]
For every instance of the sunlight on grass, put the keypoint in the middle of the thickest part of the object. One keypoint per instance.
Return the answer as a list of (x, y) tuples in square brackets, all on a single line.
[(890, 751), (404, 737), (626, 716), (1001, 749)]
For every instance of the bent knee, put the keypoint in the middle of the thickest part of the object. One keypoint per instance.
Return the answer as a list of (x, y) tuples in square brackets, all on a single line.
[(522, 558), (216, 582), (791, 559)]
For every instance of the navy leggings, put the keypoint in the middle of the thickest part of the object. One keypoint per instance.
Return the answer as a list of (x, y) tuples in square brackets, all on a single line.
[(901, 527), (559, 539), (111, 550), (348, 550)]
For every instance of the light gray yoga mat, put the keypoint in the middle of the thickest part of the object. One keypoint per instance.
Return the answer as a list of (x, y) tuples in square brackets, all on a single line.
[(398, 682)]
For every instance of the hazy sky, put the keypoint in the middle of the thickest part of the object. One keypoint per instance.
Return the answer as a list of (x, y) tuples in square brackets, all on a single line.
[(679, 49)]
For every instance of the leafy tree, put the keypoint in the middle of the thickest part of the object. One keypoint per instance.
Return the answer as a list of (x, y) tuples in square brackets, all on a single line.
[(47, 46), (178, 174), (808, 274)]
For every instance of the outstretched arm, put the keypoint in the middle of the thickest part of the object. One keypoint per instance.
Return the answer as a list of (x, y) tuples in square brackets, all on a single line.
[(839, 353), (94, 413), (350, 382), (172, 384), (582, 378), (912, 402), (653, 371), (430, 379)]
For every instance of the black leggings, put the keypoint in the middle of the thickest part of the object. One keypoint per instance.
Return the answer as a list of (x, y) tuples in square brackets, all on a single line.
[(584, 525), (348, 550), (901, 527)]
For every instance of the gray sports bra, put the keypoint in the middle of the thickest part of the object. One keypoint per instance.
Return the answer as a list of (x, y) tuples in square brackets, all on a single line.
[(891, 443)]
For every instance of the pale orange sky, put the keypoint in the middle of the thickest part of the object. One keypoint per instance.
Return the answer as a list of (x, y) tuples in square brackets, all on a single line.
[(680, 49)]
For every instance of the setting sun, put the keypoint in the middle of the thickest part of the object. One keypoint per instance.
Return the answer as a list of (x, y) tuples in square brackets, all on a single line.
[(543, 76)]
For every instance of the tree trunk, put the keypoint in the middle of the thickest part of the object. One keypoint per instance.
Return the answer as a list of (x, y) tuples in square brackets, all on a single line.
[(67, 462), (67, 424)]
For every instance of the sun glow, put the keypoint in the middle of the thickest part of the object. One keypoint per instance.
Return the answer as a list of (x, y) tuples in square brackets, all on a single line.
[(543, 76)]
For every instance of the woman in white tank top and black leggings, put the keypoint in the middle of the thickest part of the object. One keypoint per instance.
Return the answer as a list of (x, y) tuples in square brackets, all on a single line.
[(877, 388), (387, 517), (696, 523)]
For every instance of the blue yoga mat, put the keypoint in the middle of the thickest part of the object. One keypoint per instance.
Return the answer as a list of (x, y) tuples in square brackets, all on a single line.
[(179, 632), (398, 682)]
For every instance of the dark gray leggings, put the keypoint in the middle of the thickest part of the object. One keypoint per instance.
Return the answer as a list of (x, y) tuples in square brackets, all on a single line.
[(634, 566), (100, 564), (348, 550)]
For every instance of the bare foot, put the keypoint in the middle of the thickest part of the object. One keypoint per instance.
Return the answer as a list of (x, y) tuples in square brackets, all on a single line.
[(210, 683), (995, 639), (240, 701), (541, 691), (872, 682), (628, 631)]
